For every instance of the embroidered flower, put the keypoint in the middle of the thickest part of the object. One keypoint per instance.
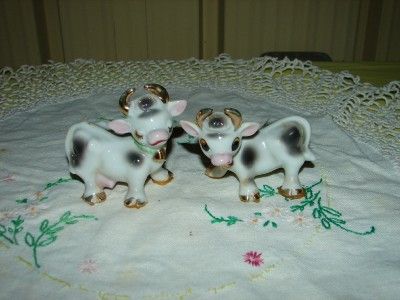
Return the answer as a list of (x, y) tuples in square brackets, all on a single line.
[(8, 178), (88, 266), (253, 258), (33, 209), (275, 211), (300, 220), (6, 215)]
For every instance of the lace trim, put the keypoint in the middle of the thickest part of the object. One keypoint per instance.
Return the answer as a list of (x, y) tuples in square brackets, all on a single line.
[(368, 113)]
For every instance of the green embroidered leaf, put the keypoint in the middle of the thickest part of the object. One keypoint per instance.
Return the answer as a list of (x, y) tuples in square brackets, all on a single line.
[(17, 222), (48, 241), (22, 201), (316, 213), (258, 214), (71, 221), (331, 211), (29, 239), (232, 220), (52, 231), (274, 224), (266, 223), (44, 225), (267, 191), (65, 216), (337, 221), (325, 223), (2, 229)]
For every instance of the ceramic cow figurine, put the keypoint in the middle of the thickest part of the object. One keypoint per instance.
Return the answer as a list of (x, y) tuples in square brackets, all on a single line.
[(101, 158), (249, 151)]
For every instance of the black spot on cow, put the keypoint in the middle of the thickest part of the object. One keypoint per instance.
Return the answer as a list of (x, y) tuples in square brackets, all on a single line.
[(78, 149), (216, 122), (145, 104), (135, 158), (249, 156), (293, 140)]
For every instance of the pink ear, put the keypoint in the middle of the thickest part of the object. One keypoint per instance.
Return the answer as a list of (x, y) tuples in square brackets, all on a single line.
[(249, 128), (177, 107), (120, 126), (190, 128)]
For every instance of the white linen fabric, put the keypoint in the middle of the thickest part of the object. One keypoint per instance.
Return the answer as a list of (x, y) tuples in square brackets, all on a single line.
[(195, 239)]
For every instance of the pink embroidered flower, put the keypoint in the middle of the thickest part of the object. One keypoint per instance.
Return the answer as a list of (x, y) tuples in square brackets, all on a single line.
[(253, 258), (6, 215), (8, 178), (33, 209), (276, 211), (88, 266), (300, 220)]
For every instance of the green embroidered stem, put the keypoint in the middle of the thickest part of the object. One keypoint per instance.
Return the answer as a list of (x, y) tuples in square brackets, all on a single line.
[(55, 183), (267, 191), (12, 230), (48, 233), (231, 220), (327, 215)]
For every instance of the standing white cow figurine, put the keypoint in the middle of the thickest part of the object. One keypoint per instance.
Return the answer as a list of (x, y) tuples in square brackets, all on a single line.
[(101, 158), (249, 151)]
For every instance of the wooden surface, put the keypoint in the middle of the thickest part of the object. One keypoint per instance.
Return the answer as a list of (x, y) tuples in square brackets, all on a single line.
[(35, 31)]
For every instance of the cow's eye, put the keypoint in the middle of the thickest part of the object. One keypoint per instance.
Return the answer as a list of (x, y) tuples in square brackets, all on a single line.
[(235, 144), (204, 145)]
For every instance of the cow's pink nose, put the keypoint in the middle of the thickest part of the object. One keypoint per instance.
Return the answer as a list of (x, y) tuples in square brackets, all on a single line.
[(221, 159), (158, 137)]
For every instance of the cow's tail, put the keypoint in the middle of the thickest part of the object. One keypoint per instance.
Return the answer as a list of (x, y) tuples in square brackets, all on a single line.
[(308, 155)]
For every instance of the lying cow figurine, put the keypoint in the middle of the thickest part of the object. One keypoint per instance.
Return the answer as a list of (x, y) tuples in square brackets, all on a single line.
[(101, 158), (249, 151)]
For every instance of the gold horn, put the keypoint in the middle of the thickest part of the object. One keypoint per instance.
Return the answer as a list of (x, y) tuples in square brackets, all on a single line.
[(235, 116), (202, 115), (125, 100), (157, 90)]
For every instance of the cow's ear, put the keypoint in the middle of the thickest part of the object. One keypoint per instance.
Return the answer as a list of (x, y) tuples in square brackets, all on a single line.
[(176, 107), (190, 128), (120, 126), (248, 128)]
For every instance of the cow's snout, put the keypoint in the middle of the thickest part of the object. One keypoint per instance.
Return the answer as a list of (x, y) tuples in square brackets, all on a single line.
[(219, 160), (158, 137)]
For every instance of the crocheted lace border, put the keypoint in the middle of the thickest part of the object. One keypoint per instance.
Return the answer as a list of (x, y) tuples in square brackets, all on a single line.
[(366, 112)]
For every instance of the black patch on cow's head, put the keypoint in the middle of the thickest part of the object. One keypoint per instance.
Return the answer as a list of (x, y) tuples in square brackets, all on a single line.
[(216, 122), (293, 140), (149, 113), (134, 158), (249, 156), (78, 149), (145, 104)]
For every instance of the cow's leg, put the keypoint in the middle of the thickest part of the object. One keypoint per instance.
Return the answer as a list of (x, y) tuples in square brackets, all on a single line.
[(91, 195), (248, 190), (162, 176), (291, 187), (216, 172), (135, 197)]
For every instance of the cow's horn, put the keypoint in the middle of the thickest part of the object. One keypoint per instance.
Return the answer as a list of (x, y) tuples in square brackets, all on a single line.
[(235, 116), (202, 115), (157, 90), (125, 100)]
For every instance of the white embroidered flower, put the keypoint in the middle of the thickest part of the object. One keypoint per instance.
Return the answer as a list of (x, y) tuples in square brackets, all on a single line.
[(33, 209), (276, 211)]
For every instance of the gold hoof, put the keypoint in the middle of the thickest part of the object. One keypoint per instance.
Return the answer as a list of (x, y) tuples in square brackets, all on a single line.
[(255, 198), (95, 198), (132, 203), (300, 193), (164, 182)]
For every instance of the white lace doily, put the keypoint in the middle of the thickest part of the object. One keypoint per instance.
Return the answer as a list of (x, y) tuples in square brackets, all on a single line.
[(368, 113)]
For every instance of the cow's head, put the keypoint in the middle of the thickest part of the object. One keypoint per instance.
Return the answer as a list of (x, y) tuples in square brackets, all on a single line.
[(149, 117), (220, 133)]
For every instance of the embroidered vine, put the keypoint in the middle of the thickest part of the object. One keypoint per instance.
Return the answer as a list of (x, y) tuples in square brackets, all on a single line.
[(48, 232), (10, 232), (327, 215), (41, 195)]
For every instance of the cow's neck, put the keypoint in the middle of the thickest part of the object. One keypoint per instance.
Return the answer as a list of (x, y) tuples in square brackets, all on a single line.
[(157, 154)]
